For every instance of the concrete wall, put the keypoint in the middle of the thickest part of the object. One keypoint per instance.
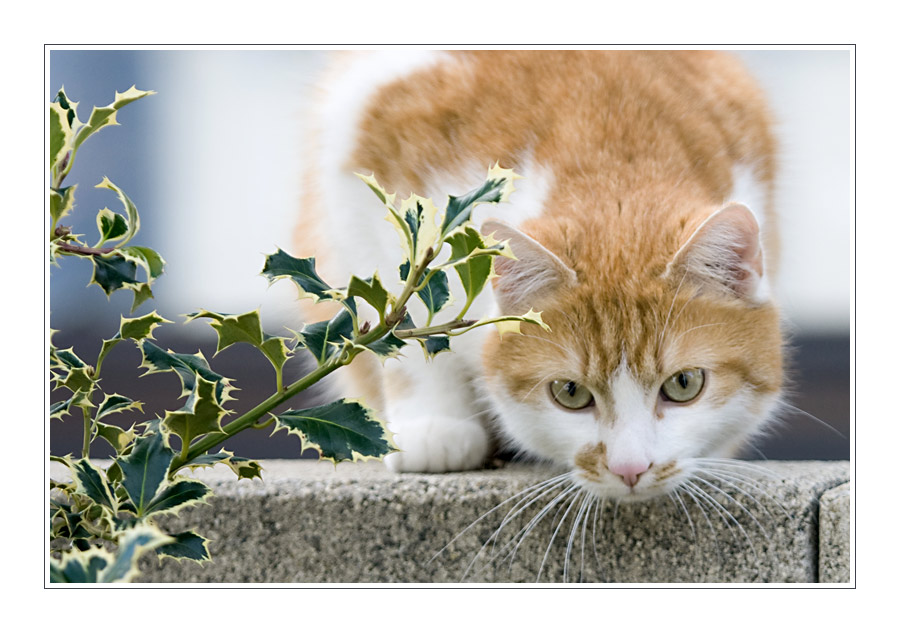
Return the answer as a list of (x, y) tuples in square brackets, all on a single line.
[(309, 522)]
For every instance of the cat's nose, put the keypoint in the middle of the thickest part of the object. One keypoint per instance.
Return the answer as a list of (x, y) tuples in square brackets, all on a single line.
[(629, 471)]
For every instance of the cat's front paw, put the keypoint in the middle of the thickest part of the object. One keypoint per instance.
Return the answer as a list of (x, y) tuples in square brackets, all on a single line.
[(438, 444)]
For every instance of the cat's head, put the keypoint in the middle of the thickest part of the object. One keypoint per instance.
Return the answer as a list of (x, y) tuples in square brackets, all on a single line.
[(655, 359)]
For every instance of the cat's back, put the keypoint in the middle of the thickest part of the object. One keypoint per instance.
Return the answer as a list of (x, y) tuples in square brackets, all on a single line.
[(614, 125)]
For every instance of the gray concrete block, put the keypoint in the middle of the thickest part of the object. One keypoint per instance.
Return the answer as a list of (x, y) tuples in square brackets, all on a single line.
[(834, 535), (310, 522)]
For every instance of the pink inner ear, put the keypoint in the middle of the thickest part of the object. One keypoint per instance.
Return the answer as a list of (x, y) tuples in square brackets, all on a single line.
[(726, 249), (534, 273)]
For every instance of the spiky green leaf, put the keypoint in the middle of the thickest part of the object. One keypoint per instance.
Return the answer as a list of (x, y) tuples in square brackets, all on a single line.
[(115, 403), (177, 496), (105, 116), (434, 345), (134, 220), (418, 214), (510, 324), (92, 483), (473, 268), (302, 272), (341, 431), (325, 337), (62, 201), (388, 346), (110, 226), (241, 466), (187, 367), (497, 188), (136, 329), (245, 328), (200, 415), (147, 258), (436, 292), (144, 470), (371, 291), (186, 546), (118, 438)]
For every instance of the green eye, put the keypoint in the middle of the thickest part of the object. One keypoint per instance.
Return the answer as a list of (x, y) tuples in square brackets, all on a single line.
[(570, 394), (684, 385)]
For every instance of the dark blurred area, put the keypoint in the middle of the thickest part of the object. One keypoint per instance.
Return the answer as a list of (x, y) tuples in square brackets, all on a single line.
[(815, 426)]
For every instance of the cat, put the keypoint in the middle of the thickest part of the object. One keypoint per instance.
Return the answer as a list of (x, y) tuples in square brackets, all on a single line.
[(644, 231)]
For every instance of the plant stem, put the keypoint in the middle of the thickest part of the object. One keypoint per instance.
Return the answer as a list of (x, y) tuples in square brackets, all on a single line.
[(86, 438)]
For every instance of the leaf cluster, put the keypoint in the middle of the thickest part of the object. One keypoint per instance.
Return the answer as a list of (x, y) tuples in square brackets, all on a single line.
[(104, 518)]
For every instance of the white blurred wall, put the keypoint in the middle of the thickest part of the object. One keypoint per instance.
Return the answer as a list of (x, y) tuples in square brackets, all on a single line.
[(231, 147)]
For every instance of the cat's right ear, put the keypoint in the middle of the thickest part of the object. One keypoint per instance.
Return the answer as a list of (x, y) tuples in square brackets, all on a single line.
[(533, 275)]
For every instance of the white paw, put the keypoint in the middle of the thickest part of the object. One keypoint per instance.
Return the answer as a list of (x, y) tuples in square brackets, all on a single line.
[(437, 444)]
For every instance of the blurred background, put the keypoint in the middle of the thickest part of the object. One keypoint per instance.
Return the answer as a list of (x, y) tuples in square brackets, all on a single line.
[(213, 163)]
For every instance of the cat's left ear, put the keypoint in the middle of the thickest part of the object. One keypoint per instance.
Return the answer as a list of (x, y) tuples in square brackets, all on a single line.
[(532, 277), (725, 253)]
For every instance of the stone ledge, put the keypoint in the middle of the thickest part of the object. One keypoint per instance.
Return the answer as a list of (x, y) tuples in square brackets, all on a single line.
[(310, 522), (834, 535)]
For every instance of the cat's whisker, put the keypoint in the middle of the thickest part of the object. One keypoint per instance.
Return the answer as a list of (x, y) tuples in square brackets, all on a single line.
[(527, 491), (730, 477), (699, 505), (590, 501), (814, 419), (524, 503), (673, 495), (736, 502), (726, 516), (520, 536), (598, 512), (660, 338), (572, 533), (553, 537), (737, 464)]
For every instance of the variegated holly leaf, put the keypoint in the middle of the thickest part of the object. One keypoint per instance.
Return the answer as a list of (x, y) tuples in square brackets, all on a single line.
[(62, 201), (497, 188), (418, 214), (394, 216), (434, 345), (144, 470), (133, 223), (511, 324), (177, 496), (371, 291), (136, 329), (98, 565), (104, 116), (113, 272), (110, 226), (435, 294), (472, 256), (388, 346), (118, 438), (200, 415), (324, 338), (69, 371), (187, 367), (341, 431), (79, 399), (302, 272), (186, 546), (147, 258), (245, 328), (115, 403), (241, 466), (92, 483)]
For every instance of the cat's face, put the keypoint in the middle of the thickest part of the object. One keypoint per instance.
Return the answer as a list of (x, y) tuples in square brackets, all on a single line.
[(640, 377)]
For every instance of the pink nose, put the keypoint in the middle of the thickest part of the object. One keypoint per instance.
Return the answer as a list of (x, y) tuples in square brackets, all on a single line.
[(629, 471)]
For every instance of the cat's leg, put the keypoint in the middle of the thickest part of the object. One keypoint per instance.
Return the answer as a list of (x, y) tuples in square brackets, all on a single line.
[(433, 409)]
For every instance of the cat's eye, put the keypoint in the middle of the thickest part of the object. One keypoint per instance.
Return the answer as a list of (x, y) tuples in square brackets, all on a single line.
[(683, 386), (570, 394)]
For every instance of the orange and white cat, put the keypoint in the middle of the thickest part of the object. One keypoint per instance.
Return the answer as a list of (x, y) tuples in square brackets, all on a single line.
[(644, 232)]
